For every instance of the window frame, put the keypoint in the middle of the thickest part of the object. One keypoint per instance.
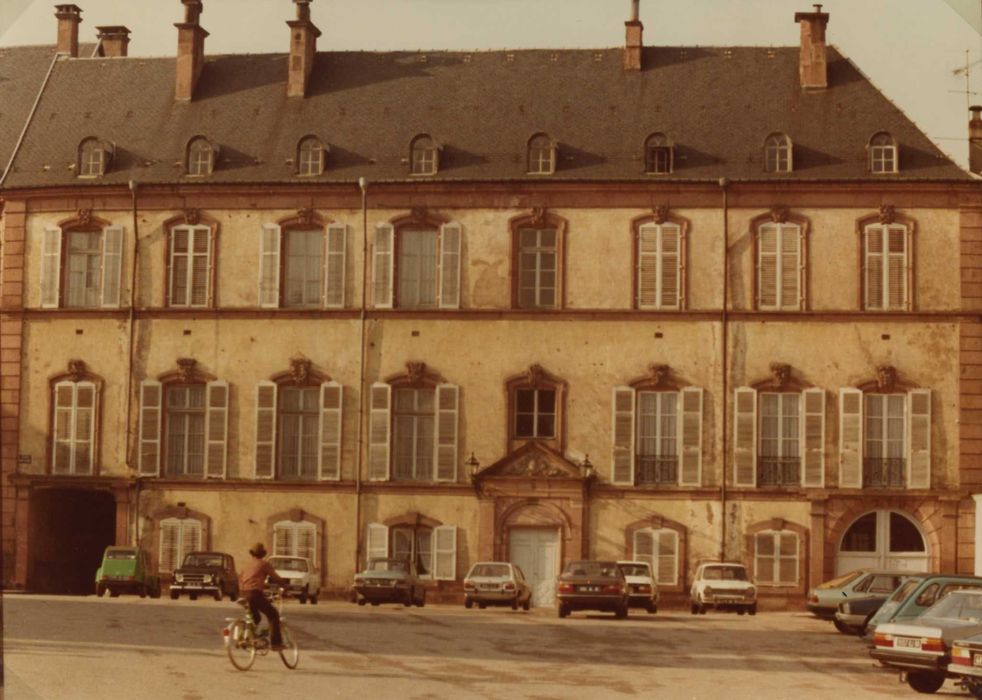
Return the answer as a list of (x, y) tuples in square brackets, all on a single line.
[(55, 268), (659, 222), (423, 468), (781, 219), (541, 154), (536, 378), (778, 153), (539, 221), (424, 156), (883, 154), (776, 558), (77, 379), (310, 167), (207, 227), (295, 527), (87, 148), (907, 275), (194, 164), (657, 144), (654, 560), (180, 522), (274, 262), (167, 416)]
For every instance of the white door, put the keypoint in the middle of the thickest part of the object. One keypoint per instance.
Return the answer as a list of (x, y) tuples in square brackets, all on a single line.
[(883, 539), (536, 552)]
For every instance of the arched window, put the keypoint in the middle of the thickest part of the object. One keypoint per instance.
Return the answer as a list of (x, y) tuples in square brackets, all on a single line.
[(658, 154), (883, 156), (200, 157), (541, 155), (777, 153), (310, 156), (178, 538), (74, 420), (423, 156), (295, 539), (93, 158)]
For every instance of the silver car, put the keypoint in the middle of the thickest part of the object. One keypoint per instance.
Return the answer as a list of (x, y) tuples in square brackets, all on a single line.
[(496, 583)]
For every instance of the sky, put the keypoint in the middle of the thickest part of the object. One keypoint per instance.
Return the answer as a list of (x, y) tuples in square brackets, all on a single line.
[(910, 49)]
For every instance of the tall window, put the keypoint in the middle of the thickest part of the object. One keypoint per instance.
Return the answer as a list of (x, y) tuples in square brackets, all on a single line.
[(178, 537), (303, 266), (81, 267), (200, 157), (184, 426), (414, 544), (295, 539), (883, 154), (660, 549), (535, 414), (413, 423), (776, 558), (538, 268), (423, 156), (779, 461), (657, 155), (541, 155), (779, 266), (73, 438), (92, 158), (883, 463), (659, 273), (298, 432), (418, 265), (310, 156), (886, 262), (777, 153), (657, 458), (190, 266), (432, 546)]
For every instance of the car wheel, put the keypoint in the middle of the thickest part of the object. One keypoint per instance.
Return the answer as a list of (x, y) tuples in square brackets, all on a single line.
[(652, 608), (219, 593), (303, 596), (563, 611), (362, 601), (514, 603), (752, 609), (142, 591), (422, 599), (702, 609), (695, 608), (842, 627), (482, 605), (409, 599), (621, 612), (741, 611), (233, 594), (174, 595), (313, 598), (527, 604), (374, 603), (193, 596), (113, 593), (468, 603), (100, 590), (155, 593), (925, 681)]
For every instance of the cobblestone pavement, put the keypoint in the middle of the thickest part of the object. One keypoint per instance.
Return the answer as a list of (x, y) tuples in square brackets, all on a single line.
[(61, 647)]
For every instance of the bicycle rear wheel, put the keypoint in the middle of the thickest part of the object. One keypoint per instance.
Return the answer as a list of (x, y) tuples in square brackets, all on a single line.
[(290, 653), (240, 647)]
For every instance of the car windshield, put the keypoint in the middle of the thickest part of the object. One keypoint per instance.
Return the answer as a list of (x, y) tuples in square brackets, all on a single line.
[(203, 560), (724, 573), (635, 569), (958, 606), (592, 568), (286, 564), (491, 570), (389, 565), (843, 580), (121, 554)]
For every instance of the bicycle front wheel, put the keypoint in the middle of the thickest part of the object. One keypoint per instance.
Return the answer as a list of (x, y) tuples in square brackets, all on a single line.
[(240, 647), (290, 653)]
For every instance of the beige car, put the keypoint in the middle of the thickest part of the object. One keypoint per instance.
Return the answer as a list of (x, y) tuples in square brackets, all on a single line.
[(496, 583)]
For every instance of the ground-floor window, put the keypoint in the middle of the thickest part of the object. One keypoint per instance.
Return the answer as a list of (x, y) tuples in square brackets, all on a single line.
[(660, 549), (295, 539), (178, 537), (776, 558)]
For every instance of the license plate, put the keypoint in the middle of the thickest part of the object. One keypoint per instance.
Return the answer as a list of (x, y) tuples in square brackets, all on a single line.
[(193, 585), (588, 589), (906, 643), (489, 586)]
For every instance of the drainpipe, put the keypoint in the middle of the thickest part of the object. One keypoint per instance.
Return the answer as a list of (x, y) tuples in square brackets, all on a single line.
[(363, 316), (129, 368), (724, 183)]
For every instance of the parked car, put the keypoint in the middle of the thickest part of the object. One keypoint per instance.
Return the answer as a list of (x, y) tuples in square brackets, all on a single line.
[(305, 582), (641, 586), (915, 596), (126, 570), (853, 615), (824, 599), (592, 585), (212, 573), (966, 664), (390, 581), (920, 648), (724, 586), (496, 583)]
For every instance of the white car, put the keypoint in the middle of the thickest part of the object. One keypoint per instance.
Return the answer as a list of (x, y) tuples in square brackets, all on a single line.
[(724, 586), (304, 579), (641, 586)]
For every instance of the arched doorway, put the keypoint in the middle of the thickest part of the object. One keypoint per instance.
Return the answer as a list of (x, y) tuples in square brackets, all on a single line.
[(883, 539), (70, 529)]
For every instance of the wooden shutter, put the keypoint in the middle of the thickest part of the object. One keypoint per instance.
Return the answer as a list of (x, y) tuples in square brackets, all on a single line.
[(813, 437), (332, 402), (790, 270), (151, 401), (382, 270), (450, 247), (897, 267), (265, 429), (269, 266), (190, 536), (283, 539), (670, 273), (667, 569), (378, 432), (170, 533), (850, 438), (647, 267), (334, 277), (377, 542), (767, 266), (690, 432), (216, 429), (919, 439), (623, 432), (874, 263), (644, 547), (745, 437), (112, 264), (445, 553), (445, 449), (84, 437), (305, 541), (63, 433), (51, 268)]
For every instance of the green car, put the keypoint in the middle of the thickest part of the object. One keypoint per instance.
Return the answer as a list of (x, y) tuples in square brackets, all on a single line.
[(126, 570)]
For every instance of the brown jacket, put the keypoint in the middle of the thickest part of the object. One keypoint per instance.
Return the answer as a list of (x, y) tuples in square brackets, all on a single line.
[(254, 573)]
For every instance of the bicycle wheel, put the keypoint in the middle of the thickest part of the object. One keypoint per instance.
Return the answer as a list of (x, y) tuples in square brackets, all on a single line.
[(290, 653), (240, 648)]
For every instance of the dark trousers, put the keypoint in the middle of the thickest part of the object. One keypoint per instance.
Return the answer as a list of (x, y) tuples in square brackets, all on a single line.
[(259, 604)]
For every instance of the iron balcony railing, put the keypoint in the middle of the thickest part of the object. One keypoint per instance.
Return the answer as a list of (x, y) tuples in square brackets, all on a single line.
[(884, 472), (778, 471), (653, 470)]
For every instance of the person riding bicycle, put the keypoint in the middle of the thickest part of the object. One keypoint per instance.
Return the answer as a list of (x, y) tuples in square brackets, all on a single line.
[(252, 580)]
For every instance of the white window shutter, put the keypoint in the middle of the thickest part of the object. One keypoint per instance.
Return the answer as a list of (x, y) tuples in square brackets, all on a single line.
[(265, 429), (813, 437), (768, 252), (690, 431), (332, 402), (450, 247), (874, 255), (850, 438), (85, 412), (63, 433), (190, 536), (269, 266), (151, 404), (382, 269), (377, 542), (646, 547), (745, 437), (305, 540), (112, 265), (623, 432), (334, 277), (445, 553), (919, 439), (670, 275), (216, 429), (445, 450), (170, 537), (378, 431), (51, 268), (647, 272), (283, 539)]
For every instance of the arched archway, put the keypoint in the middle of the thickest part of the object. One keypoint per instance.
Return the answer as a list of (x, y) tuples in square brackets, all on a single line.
[(883, 539)]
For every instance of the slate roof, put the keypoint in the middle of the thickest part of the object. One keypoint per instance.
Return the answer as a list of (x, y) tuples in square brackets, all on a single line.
[(716, 104)]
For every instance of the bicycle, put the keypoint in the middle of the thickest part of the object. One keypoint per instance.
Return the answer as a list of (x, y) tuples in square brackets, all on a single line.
[(243, 640)]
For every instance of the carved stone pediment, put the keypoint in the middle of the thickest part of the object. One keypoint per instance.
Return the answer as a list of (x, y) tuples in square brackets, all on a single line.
[(534, 461)]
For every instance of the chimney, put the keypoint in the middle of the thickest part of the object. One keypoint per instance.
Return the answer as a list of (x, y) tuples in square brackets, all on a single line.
[(812, 68), (303, 49), (975, 140), (113, 41), (190, 50), (69, 17), (632, 40)]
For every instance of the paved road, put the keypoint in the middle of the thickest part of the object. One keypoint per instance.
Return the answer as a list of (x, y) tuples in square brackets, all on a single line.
[(62, 648)]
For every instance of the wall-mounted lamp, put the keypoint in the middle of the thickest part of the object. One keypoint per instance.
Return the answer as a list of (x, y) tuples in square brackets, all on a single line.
[(587, 467), (472, 464)]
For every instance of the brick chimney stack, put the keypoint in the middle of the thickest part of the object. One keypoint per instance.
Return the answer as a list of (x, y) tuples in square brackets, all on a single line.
[(975, 140), (633, 30), (113, 41), (69, 17), (303, 49), (190, 50), (812, 68)]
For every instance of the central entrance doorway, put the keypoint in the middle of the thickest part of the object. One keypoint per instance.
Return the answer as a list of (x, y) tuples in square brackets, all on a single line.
[(536, 552), (883, 539)]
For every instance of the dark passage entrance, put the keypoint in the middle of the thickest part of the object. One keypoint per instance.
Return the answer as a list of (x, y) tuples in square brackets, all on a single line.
[(69, 531)]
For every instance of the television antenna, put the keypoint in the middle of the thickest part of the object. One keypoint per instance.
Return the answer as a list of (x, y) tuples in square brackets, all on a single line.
[(966, 70)]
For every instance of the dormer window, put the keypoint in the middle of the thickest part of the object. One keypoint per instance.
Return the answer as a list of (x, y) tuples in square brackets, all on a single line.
[(883, 153), (424, 156), (777, 153), (93, 158), (200, 157), (541, 155), (310, 156), (658, 155)]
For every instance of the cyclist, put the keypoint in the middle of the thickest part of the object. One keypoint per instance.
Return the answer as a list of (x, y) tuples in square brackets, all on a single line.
[(251, 582)]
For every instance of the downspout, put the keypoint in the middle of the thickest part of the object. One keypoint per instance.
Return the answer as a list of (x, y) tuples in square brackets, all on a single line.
[(724, 183), (363, 316), (130, 362)]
